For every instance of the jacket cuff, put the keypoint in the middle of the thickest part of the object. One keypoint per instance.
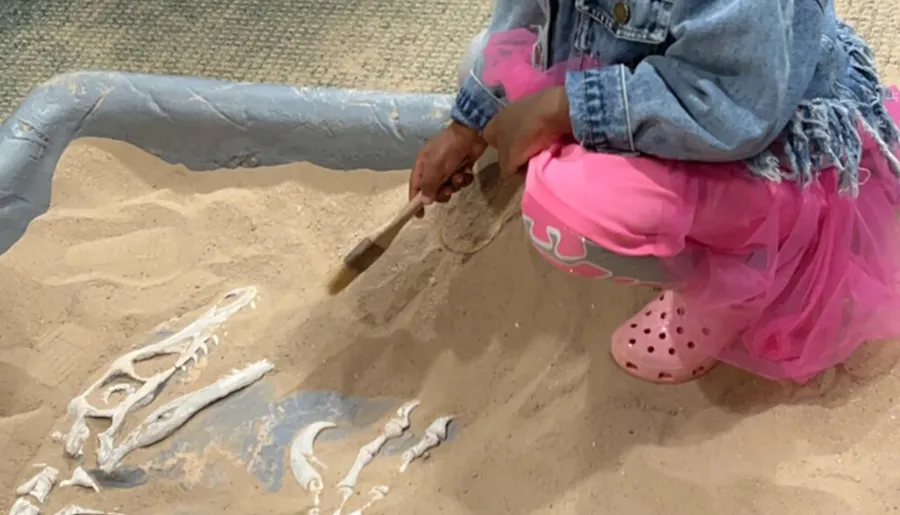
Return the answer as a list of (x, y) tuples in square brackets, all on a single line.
[(598, 108), (475, 106)]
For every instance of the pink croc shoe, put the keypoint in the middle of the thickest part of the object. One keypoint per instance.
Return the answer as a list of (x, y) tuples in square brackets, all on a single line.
[(666, 343)]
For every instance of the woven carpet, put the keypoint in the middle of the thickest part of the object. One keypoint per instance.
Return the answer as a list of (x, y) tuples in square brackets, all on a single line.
[(401, 45)]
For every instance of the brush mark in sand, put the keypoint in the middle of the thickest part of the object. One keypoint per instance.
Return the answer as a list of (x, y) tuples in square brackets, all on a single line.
[(187, 343), (166, 419)]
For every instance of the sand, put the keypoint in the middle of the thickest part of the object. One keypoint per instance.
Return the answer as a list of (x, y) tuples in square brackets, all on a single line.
[(518, 351)]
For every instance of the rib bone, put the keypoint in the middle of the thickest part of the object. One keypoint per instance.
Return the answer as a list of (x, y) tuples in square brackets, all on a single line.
[(172, 415), (81, 478), (186, 343), (40, 484), (302, 457), (434, 435)]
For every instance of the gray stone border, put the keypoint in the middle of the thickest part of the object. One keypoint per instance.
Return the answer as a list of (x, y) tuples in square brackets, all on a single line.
[(204, 124)]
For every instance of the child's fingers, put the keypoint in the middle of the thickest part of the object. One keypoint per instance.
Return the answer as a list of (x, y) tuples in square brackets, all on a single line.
[(444, 194), (460, 180)]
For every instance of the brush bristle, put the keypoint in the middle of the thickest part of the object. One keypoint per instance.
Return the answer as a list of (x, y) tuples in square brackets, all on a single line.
[(340, 279), (357, 261)]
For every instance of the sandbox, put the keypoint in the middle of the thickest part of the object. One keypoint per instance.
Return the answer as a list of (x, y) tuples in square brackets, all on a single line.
[(129, 247)]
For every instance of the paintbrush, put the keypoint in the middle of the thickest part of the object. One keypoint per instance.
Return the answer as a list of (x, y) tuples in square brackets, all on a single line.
[(370, 248)]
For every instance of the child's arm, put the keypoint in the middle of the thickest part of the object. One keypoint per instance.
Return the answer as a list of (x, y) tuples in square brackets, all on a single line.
[(476, 103), (723, 91)]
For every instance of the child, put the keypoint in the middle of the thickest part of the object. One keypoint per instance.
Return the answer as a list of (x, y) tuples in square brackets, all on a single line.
[(745, 144)]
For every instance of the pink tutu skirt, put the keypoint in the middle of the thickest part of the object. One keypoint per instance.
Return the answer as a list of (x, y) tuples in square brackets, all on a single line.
[(805, 275)]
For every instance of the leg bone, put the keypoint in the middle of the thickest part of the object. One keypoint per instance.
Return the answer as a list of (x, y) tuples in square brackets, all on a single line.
[(434, 435)]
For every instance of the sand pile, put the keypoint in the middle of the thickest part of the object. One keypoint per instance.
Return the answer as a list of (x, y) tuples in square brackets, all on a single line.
[(517, 350)]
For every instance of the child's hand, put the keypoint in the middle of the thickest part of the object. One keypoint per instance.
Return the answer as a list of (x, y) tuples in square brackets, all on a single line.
[(443, 166), (529, 126)]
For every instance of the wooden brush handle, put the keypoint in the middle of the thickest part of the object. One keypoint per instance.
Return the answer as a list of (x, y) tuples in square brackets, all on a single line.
[(408, 211), (389, 231)]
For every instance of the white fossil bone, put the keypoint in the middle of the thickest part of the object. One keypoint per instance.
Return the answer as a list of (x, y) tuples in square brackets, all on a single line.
[(392, 429), (40, 484), (187, 343), (78, 510), (125, 389), (376, 493), (434, 435), (23, 507), (302, 458), (166, 419), (81, 478)]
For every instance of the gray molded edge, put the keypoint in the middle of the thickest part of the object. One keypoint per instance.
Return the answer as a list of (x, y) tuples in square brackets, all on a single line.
[(204, 124)]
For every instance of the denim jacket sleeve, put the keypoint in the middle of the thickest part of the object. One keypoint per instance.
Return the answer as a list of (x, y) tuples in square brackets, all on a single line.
[(719, 92), (476, 103)]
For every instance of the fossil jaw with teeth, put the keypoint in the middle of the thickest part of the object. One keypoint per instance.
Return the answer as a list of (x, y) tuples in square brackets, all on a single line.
[(166, 419), (187, 343)]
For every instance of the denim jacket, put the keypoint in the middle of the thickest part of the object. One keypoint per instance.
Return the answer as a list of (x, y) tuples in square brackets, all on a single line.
[(782, 84)]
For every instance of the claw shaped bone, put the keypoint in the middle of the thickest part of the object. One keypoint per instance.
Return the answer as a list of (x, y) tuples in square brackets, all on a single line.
[(40, 484), (392, 429), (186, 343), (302, 458), (81, 478), (172, 415), (434, 435)]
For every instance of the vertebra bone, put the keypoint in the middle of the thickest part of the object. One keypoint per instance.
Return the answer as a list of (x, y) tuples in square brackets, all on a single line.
[(434, 435), (23, 507), (40, 484), (187, 343), (81, 478), (172, 415), (302, 457), (78, 510)]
